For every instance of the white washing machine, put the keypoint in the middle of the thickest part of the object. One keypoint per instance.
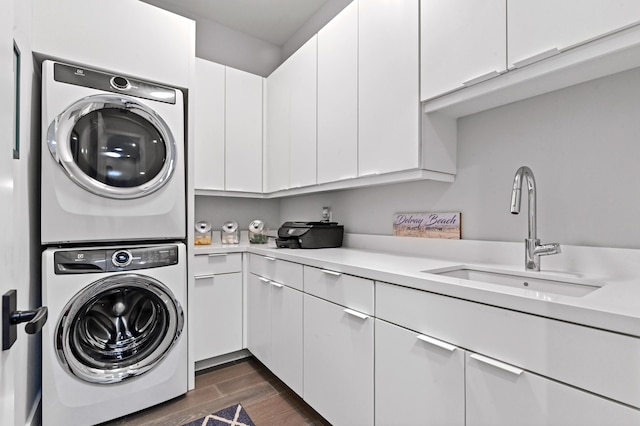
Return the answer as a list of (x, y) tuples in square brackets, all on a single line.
[(113, 163), (115, 341)]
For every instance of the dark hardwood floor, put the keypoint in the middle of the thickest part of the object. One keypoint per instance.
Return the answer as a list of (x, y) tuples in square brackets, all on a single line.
[(266, 399)]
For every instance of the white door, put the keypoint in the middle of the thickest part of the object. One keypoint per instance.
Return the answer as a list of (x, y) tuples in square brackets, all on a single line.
[(8, 360)]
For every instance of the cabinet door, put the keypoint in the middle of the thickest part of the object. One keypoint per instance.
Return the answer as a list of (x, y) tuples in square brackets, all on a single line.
[(338, 97), (338, 362), (388, 86), (209, 118), (542, 26), (259, 318), (217, 315), (243, 143), (302, 80), (286, 335), (462, 41), (276, 176), (498, 394), (419, 380)]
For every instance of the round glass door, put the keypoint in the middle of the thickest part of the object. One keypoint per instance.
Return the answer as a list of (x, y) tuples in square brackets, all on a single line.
[(117, 328), (113, 146)]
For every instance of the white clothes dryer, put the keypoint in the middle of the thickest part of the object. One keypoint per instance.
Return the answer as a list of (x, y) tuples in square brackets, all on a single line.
[(115, 342), (113, 164)]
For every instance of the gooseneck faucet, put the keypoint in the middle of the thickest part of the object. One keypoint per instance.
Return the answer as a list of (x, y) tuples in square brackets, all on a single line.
[(533, 248)]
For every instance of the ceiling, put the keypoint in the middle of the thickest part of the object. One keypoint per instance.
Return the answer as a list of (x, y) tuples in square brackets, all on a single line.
[(274, 21)]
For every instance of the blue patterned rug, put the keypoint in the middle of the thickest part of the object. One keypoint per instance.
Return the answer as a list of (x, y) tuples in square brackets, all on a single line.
[(230, 416)]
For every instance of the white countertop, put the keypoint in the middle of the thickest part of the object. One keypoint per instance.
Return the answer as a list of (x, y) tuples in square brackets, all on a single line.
[(400, 260)]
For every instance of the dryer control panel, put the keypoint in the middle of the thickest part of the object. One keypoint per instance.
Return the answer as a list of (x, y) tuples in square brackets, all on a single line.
[(114, 259)]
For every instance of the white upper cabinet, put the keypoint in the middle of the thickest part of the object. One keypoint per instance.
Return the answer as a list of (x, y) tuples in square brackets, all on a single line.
[(302, 76), (141, 40), (388, 86), (276, 176), (462, 43), (243, 138), (543, 27), (209, 122), (338, 97), (228, 127), (291, 121)]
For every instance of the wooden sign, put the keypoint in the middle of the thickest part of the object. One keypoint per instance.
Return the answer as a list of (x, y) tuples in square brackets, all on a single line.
[(427, 225)]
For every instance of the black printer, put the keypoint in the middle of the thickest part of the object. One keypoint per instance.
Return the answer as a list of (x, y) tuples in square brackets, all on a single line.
[(310, 235)]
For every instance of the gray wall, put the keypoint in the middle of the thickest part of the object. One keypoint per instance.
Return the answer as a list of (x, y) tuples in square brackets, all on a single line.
[(218, 210), (582, 144)]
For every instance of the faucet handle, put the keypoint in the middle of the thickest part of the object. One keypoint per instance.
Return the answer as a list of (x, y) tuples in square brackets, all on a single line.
[(547, 248)]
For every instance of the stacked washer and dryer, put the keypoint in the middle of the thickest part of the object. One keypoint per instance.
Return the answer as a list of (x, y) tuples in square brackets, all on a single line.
[(113, 225)]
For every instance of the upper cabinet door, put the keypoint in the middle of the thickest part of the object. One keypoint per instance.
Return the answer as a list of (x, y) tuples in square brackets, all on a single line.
[(209, 119), (462, 42), (540, 28), (302, 79), (243, 145), (276, 175), (389, 91), (338, 97)]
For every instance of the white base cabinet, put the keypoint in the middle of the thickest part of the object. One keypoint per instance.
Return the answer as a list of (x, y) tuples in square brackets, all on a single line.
[(286, 335), (274, 329), (338, 362), (498, 394), (259, 318), (419, 380), (216, 311)]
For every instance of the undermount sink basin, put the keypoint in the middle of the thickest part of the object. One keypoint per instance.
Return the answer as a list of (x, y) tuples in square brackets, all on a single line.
[(548, 285)]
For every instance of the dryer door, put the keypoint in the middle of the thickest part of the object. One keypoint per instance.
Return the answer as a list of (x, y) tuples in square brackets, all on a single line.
[(117, 328), (113, 146)]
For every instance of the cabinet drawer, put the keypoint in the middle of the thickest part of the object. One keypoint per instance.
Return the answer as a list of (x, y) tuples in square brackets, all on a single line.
[(284, 272), (595, 360), (217, 263), (504, 397), (345, 290)]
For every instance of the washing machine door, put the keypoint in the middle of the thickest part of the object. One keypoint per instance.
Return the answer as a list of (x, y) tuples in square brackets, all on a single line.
[(113, 146), (117, 328)]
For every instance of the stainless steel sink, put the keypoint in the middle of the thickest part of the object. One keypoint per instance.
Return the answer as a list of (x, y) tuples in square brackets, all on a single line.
[(548, 284)]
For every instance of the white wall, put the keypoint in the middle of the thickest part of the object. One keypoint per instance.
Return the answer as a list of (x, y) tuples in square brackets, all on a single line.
[(583, 144), (326, 13), (217, 43), (226, 46)]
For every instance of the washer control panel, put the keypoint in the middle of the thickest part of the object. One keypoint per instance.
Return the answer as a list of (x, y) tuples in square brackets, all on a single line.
[(112, 83), (85, 261)]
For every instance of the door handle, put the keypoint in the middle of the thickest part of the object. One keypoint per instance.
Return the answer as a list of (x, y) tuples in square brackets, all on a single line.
[(537, 57), (328, 272), (436, 342), (355, 314), (11, 317), (497, 364)]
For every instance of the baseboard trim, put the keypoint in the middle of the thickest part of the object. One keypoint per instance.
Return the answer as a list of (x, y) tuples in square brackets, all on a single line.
[(222, 359)]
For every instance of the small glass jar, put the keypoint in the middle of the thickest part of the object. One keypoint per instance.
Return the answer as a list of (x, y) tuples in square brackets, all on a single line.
[(258, 232), (229, 233), (202, 234)]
